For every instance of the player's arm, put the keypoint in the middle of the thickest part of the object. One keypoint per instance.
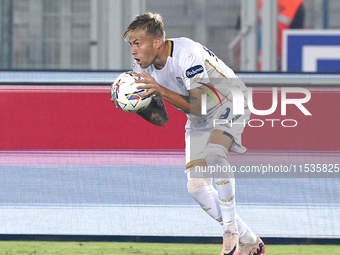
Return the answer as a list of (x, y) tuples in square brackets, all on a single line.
[(156, 112), (190, 103)]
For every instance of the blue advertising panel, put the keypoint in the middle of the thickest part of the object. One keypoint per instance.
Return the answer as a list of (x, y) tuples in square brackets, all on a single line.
[(311, 51)]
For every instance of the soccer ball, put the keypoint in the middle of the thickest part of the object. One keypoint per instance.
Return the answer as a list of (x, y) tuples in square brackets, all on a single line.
[(125, 94)]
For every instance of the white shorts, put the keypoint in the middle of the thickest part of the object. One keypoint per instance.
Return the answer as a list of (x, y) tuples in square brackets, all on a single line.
[(199, 129)]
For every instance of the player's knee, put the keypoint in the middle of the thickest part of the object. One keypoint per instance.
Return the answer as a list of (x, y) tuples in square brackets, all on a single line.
[(215, 151), (198, 185), (216, 158)]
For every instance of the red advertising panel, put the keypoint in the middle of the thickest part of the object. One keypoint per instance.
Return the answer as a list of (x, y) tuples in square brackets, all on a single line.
[(83, 117)]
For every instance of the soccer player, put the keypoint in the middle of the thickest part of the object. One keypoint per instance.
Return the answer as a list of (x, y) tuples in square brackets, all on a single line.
[(181, 72)]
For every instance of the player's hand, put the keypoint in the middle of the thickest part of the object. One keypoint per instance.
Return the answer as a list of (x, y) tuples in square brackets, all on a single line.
[(151, 85)]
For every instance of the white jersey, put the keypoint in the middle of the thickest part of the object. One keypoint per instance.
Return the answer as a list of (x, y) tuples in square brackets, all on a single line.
[(188, 66)]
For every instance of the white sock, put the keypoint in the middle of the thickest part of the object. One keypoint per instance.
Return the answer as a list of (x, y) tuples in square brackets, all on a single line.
[(248, 237), (203, 192), (226, 194), (242, 227), (216, 156), (230, 227), (207, 197)]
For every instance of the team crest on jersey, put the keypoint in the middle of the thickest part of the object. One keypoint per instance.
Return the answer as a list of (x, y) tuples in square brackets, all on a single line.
[(192, 71), (180, 81)]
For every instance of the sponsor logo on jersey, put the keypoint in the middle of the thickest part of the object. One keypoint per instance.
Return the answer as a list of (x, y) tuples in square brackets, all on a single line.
[(192, 71)]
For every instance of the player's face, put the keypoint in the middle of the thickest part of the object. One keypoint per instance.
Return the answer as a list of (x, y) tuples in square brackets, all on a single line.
[(143, 48)]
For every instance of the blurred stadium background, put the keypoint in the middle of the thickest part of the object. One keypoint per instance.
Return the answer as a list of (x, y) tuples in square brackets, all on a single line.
[(71, 164), (86, 34)]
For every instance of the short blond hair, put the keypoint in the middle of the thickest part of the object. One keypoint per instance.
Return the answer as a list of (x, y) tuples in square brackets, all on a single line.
[(151, 23)]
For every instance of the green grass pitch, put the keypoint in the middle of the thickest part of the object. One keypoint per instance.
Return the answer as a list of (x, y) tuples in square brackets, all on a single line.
[(122, 248)]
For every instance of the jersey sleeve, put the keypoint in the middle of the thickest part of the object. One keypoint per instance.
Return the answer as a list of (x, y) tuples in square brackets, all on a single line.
[(194, 70)]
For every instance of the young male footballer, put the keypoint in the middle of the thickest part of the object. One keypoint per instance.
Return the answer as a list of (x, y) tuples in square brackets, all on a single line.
[(184, 72)]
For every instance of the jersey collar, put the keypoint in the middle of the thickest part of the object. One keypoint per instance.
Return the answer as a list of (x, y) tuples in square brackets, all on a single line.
[(171, 48)]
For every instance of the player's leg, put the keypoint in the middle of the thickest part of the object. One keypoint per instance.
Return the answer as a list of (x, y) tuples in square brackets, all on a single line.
[(216, 154), (200, 188), (250, 243), (203, 191), (230, 138), (247, 237)]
